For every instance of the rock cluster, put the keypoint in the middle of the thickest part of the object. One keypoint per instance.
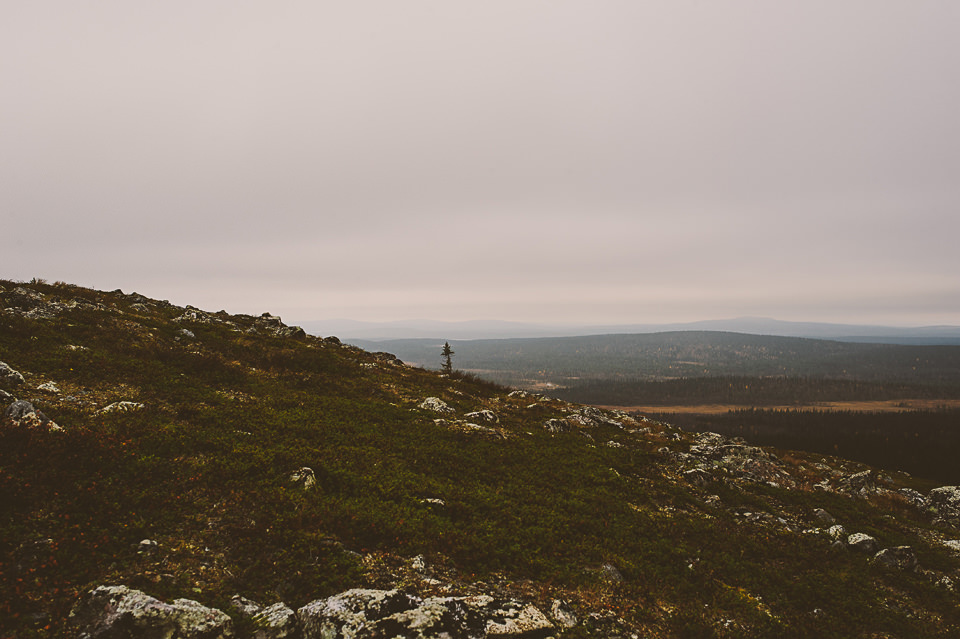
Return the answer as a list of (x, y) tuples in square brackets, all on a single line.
[(120, 612), (23, 414)]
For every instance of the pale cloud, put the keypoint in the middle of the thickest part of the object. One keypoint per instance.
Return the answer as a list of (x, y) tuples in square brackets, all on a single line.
[(595, 162)]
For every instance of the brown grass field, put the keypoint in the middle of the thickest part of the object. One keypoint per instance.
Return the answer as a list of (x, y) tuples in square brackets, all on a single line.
[(887, 406)]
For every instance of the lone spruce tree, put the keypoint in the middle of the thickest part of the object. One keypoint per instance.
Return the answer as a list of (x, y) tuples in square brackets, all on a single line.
[(447, 365)]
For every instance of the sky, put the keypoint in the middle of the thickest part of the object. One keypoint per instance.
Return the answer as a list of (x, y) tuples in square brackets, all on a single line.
[(548, 161)]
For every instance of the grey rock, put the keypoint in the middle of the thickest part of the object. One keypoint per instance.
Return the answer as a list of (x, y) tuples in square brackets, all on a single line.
[(609, 572), (304, 477), (824, 517), (23, 414), (837, 532), (698, 477), (118, 612), (120, 407), (899, 557), (557, 425), (486, 415), (345, 615), (436, 404), (862, 542), (944, 502), (147, 547), (49, 387), (275, 622), (563, 614), (9, 376)]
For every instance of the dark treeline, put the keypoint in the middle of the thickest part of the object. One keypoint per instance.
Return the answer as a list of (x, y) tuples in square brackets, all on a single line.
[(922, 443), (748, 391)]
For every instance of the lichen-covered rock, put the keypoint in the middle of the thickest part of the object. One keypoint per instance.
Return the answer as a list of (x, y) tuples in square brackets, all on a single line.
[(899, 557), (557, 425), (304, 477), (9, 376), (22, 413), (944, 502), (120, 407), (436, 404), (347, 615), (275, 622), (862, 542), (49, 387), (563, 614), (486, 415), (514, 619), (118, 612)]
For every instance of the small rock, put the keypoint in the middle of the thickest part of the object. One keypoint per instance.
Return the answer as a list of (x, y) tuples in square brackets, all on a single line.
[(557, 425), (486, 415), (304, 477), (49, 387), (120, 407), (435, 404), (837, 532), (147, 547), (563, 614), (609, 573), (275, 622)]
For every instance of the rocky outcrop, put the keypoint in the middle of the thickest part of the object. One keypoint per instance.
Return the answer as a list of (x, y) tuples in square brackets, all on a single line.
[(117, 612), (120, 407), (24, 415), (484, 415), (9, 376), (944, 503)]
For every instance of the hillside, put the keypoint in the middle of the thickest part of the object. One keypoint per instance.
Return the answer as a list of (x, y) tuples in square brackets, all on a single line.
[(223, 459)]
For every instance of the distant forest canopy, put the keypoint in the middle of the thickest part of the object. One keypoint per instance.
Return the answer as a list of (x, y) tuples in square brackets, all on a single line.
[(922, 443), (567, 361)]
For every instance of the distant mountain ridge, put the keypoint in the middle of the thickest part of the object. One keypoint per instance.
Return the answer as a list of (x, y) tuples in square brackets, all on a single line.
[(497, 329)]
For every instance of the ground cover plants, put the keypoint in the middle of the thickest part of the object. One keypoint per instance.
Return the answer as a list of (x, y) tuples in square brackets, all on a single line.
[(642, 527)]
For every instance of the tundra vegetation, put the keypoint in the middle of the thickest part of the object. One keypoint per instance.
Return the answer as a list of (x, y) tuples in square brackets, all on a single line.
[(201, 455)]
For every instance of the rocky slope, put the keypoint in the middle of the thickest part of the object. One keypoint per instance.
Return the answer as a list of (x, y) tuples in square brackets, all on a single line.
[(173, 472)]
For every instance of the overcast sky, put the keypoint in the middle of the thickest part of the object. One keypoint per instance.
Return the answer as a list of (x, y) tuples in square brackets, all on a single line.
[(549, 161)]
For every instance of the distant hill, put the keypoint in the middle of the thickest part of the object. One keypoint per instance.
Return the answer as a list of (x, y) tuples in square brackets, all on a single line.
[(657, 356), (480, 329)]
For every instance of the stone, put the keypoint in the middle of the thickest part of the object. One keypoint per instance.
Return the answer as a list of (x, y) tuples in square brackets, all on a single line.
[(304, 477), (275, 622), (435, 404), (342, 616), (516, 620), (486, 415), (899, 557), (862, 542), (23, 414), (147, 547), (609, 572), (434, 617), (120, 407), (49, 387), (10, 376), (944, 502), (557, 425), (563, 614), (824, 517), (120, 612), (837, 532), (186, 333), (698, 476)]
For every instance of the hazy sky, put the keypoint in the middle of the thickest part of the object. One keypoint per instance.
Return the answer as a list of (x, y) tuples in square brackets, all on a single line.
[(524, 160)]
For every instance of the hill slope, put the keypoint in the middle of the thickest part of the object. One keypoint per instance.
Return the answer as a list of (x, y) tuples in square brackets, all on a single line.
[(194, 430)]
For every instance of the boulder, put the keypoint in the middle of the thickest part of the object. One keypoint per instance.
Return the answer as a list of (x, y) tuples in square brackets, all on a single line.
[(117, 612), (345, 615), (563, 614), (862, 542), (22, 413), (899, 557), (944, 502), (10, 376), (824, 517)]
